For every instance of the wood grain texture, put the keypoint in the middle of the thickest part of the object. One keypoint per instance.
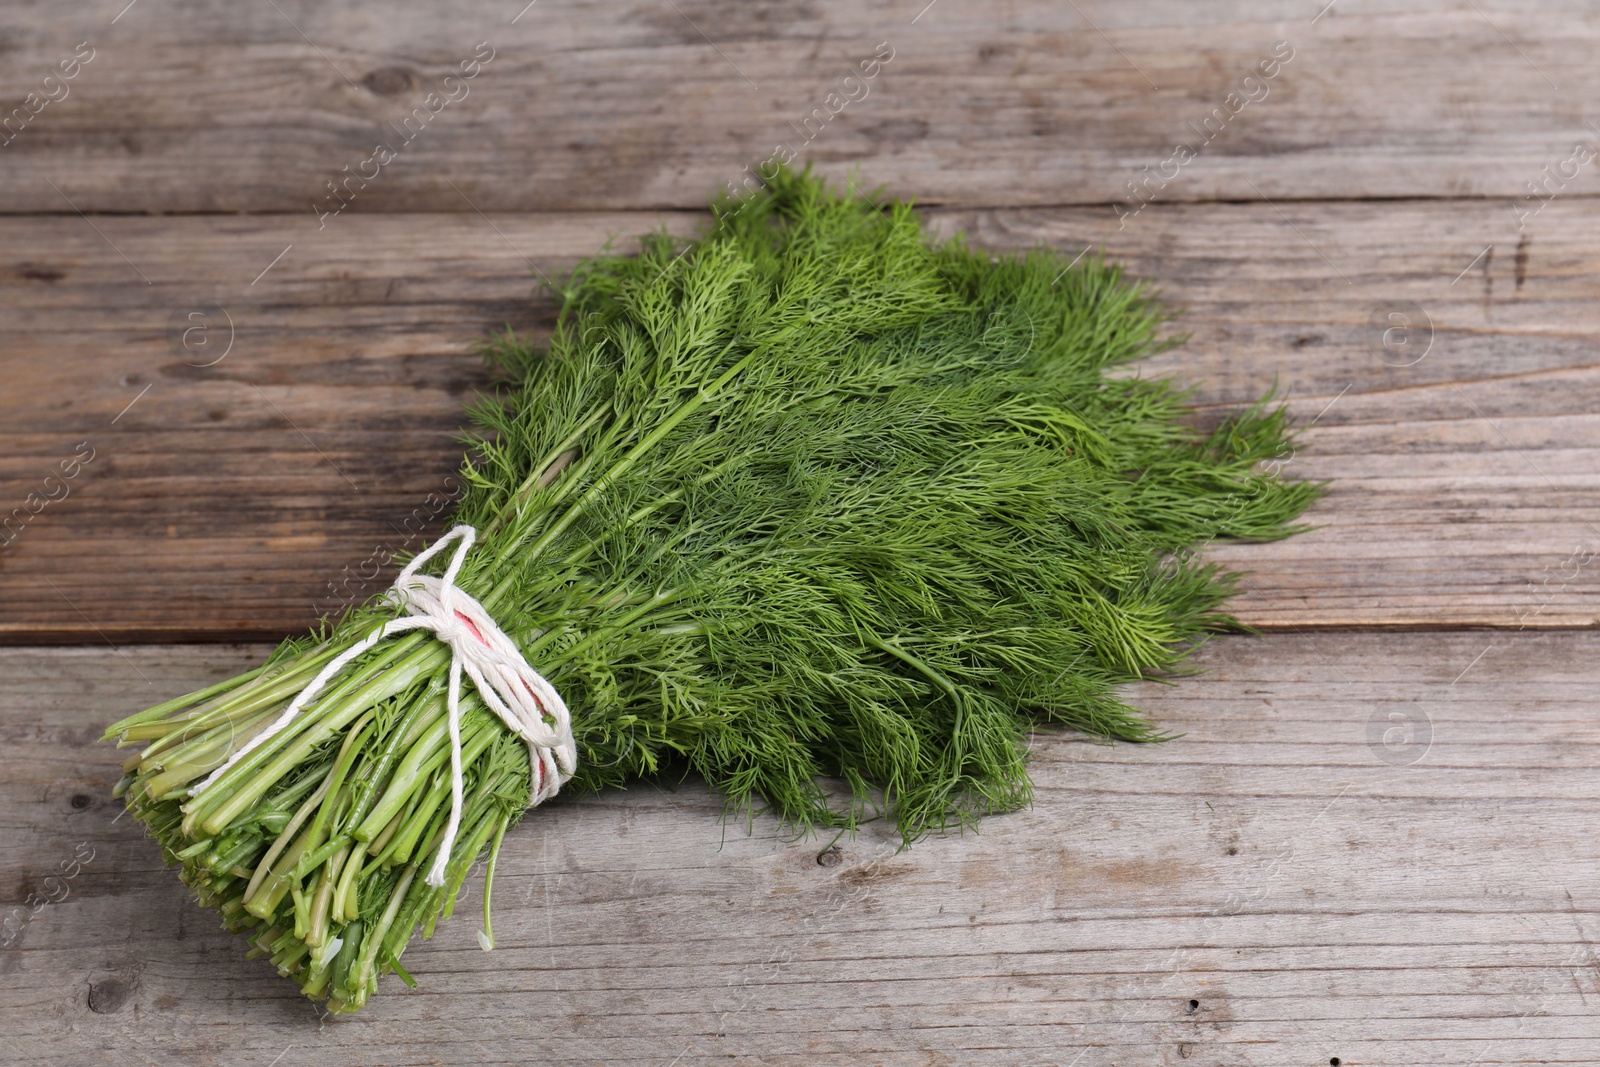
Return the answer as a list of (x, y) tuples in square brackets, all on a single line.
[(281, 474), (203, 105), (1367, 848), (242, 499), (1283, 884)]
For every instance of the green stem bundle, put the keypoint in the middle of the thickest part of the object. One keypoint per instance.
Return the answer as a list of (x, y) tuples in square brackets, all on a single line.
[(812, 500)]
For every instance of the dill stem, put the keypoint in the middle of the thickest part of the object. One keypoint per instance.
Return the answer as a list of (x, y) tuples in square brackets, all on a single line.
[(537, 475), (322, 898), (353, 740), (160, 711), (373, 681), (344, 905), (285, 835), (633, 455), (488, 881)]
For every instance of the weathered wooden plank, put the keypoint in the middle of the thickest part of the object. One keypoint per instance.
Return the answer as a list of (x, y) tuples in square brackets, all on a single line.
[(326, 432), (1281, 885), (205, 106), (240, 499)]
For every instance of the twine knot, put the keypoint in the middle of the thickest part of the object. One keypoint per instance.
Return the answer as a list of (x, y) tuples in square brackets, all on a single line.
[(527, 703)]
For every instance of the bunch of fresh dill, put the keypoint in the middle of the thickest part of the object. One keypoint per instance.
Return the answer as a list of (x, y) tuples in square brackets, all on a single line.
[(813, 499)]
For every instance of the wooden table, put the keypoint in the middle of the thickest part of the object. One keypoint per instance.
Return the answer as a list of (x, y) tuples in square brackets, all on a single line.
[(1374, 843)]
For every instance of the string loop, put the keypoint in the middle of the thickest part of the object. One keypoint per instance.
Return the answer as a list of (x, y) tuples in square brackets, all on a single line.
[(522, 698)]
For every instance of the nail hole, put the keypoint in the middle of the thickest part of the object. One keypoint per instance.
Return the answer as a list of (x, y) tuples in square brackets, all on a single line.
[(830, 857), (1333, 1061), (1194, 1006)]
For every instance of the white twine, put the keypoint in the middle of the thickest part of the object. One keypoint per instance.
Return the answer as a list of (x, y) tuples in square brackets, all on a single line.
[(512, 689)]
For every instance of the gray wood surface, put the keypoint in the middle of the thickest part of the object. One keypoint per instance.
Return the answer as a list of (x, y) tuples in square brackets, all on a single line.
[(1374, 843), (1316, 889), (206, 105)]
